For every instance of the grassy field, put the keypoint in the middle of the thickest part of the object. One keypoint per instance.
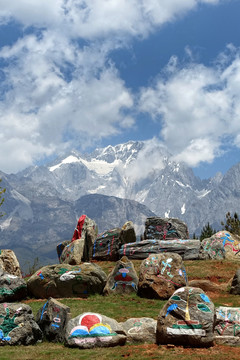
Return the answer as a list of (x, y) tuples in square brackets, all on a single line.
[(124, 307)]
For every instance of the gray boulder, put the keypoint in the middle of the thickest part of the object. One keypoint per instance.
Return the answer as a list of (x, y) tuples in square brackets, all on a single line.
[(187, 319), (165, 228), (140, 330), (227, 327), (17, 325), (123, 279), (235, 286), (52, 319), (12, 287), (90, 330), (67, 281), (160, 275), (188, 249), (128, 234), (72, 253)]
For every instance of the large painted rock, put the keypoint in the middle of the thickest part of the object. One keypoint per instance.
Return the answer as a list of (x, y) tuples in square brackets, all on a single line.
[(235, 286), (123, 278), (128, 234), (90, 330), (187, 319), (188, 249), (67, 281), (227, 327), (84, 223), (106, 245), (222, 245), (12, 287), (160, 275), (17, 325), (165, 228), (52, 319), (72, 253), (9, 262), (140, 330)]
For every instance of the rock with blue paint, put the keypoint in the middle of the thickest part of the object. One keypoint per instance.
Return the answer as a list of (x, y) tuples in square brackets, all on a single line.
[(165, 228), (106, 245), (64, 280), (123, 278), (12, 287), (72, 252), (140, 330), (90, 330), (227, 327), (52, 319), (17, 325), (187, 319), (160, 275), (222, 245)]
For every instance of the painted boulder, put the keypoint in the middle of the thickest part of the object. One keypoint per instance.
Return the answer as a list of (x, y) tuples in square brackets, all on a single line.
[(187, 319), (123, 278), (9, 262), (227, 327), (106, 245), (165, 228), (52, 319), (91, 330), (72, 253), (17, 325), (12, 287), (160, 275), (222, 245), (67, 281), (140, 330)]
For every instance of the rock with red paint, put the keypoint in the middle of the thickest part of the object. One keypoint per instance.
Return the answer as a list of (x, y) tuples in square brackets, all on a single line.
[(90, 330), (106, 245), (187, 319), (227, 326), (160, 275), (222, 245), (72, 253), (140, 330), (52, 319), (9, 262), (123, 279), (165, 228), (17, 325), (64, 280)]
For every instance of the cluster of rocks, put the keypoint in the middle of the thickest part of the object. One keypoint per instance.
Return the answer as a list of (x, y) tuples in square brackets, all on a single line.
[(188, 317)]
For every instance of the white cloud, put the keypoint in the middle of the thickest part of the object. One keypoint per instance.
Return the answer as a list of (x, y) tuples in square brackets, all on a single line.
[(59, 88), (198, 107)]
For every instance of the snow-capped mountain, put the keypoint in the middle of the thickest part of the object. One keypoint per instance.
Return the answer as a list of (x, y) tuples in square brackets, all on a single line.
[(41, 199)]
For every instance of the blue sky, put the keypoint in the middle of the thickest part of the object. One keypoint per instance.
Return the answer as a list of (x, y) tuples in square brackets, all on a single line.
[(83, 74)]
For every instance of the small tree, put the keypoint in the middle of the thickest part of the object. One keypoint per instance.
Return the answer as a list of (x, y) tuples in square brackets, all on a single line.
[(2, 191), (232, 223), (207, 232)]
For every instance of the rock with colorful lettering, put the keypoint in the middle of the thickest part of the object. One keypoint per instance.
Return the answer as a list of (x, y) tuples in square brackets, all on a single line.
[(235, 286), (140, 330), (227, 326), (165, 229), (123, 279), (73, 252), (64, 280), (17, 325), (12, 287), (106, 245), (187, 319), (52, 319), (9, 262), (160, 275), (128, 234), (222, 245), (90, 330)]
